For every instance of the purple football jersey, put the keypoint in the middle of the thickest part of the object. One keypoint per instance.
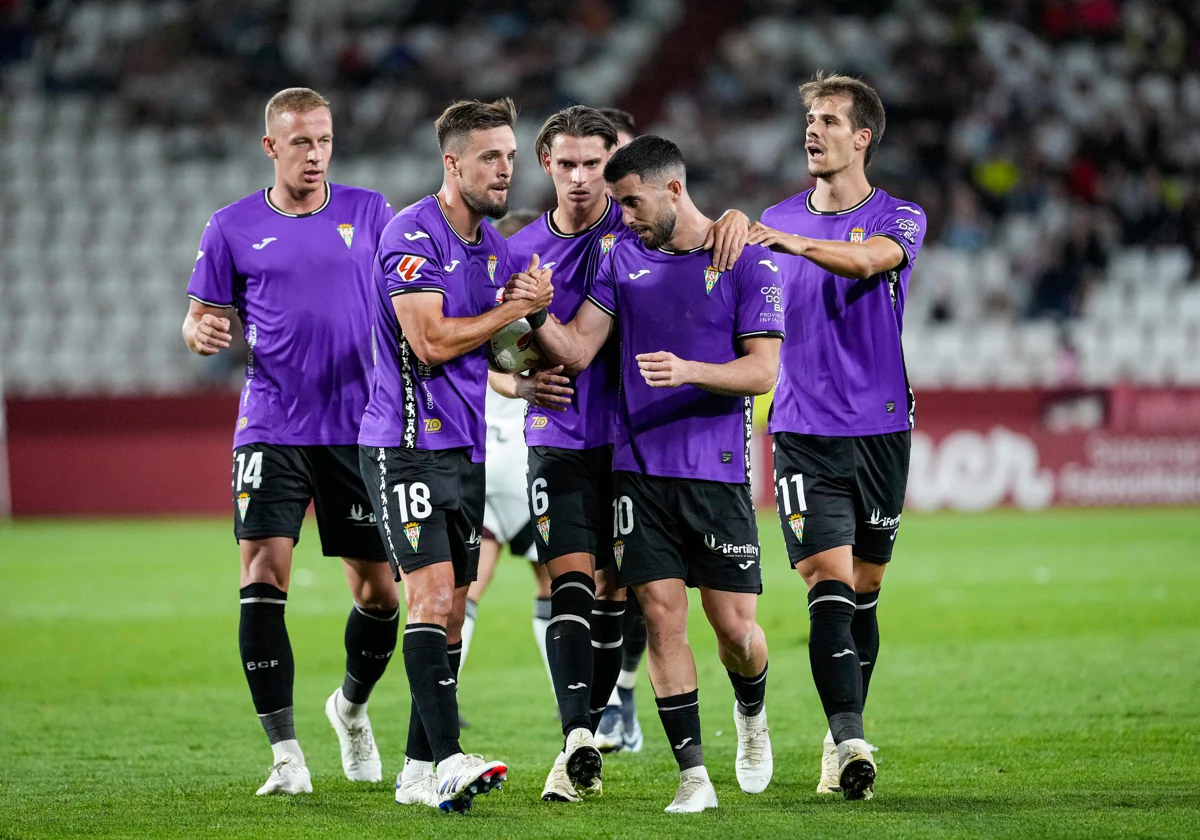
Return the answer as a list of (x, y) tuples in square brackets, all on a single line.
[(573, 258), (412, 405), (302, 287), (677, 302), (841, 373)]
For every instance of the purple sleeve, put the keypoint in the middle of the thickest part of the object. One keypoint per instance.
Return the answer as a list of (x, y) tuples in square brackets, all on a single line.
[(213, 274), (759, 295), (410, 260), (383, 214), (602, 290), (904, 225)]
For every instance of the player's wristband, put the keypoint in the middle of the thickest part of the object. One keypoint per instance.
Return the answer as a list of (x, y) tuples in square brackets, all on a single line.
[(536, 319)]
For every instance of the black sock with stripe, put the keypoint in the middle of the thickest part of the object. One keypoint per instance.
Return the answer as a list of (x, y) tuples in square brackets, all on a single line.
[(834, 657), (267, 660), (370, 643), (607, 620), (865, 630), (569, 646), (434, 687), (680, 716)]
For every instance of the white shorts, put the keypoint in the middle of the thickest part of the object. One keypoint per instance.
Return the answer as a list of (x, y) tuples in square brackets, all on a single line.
[(505, 507)]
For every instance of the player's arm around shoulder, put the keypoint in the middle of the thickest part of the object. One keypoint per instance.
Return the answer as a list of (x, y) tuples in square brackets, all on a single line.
[(852, 260)]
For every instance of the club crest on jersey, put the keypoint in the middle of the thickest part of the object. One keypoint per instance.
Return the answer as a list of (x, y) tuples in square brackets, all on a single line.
[(856, 234), (243, 503), (347, 232), (413, 531), (606, 243), (796, 520), (711, 276), (619, 552), (492, 261), (543, 526)]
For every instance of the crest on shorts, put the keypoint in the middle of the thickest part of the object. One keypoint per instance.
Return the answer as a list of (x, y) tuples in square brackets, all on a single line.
[(606, 243), (243, 502), (347, 232), (856, 234), (796, 520), (711, 276), (619, 552), (413, 531), (492, 261), (543, 526)]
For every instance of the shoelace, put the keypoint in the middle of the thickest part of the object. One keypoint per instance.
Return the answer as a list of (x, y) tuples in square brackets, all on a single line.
[(361, 742), (756, 746), (279, 765), (688, 788)]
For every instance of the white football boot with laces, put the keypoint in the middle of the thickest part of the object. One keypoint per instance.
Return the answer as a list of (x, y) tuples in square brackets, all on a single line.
[(462, 777), (856, 769), (417, 784), (830, 776), (754, 763), (558, 784), (287, 777), (360, 756), (584, 762), (695, 792)]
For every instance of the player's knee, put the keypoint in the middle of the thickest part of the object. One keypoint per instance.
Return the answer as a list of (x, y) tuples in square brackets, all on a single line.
[(263, 562), (607, 588), (430, 605), (736, 635)]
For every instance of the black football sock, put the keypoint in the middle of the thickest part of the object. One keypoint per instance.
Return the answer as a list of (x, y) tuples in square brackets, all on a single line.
[(607, 618), (680, 715), (267, 658), (865, 629), (569, 646), (417, 748), (834, 658), (434, 686), (749, 691), (634, 632), (370, 643)]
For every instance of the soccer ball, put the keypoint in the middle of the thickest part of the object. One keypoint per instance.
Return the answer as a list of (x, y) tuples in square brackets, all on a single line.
[(512, 349)]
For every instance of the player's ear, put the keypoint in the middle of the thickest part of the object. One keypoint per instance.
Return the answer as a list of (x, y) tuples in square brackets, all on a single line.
[(676, 188), (862, 139), (546, 162), (450, 161), (268, 143)]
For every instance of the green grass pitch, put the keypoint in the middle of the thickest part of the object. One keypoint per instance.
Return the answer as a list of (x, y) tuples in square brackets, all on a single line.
[(1039, 677)]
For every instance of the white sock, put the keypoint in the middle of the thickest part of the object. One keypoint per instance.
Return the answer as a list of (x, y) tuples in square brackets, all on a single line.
[(701, 772), (415, 769), (347, 709), (627, 680), (539, 636), (614, 699), (468, 630), (289, 749)]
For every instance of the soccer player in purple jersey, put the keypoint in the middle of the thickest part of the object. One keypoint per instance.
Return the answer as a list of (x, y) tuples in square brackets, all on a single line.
[(843, 410), (295, 261), (438, 300), (696, 343)]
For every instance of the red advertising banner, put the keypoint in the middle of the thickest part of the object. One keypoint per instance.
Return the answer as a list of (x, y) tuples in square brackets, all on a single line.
[(1033, 449), (972, 450)]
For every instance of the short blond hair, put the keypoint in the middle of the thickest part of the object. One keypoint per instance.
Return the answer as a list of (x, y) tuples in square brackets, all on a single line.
[(866, 109), (298, 100)]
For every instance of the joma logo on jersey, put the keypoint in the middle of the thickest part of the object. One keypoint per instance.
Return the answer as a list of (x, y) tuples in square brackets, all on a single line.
[(493, 260), (856, 234), (347, 232), (619, 552), (538, 423), (409, 267), (796, 520), (433, 425), (543, 526), (606, 243), (711, 276)]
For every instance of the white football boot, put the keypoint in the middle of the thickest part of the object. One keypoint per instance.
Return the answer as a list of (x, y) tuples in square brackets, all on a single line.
[(462, 777), (695, 792), (417, 784), (558, 784), (754, 763), (287, 777), (830, 777), (360, 756), (856, 769), (584, 762)]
